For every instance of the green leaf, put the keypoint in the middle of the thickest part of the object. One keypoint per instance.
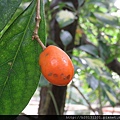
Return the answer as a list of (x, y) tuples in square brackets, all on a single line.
[(108, 93), (89, 49), (104, 50), (99, 3), (93, 82), (95, 64), (107, 18), (111, 97), (19, 69), (70, 4), (65, 37), (7, 9), (105, 75), (65, 18), (80, 2)]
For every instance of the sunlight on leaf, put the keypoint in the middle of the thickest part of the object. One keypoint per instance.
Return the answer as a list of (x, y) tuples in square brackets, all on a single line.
[(64, 18), (111, 97)]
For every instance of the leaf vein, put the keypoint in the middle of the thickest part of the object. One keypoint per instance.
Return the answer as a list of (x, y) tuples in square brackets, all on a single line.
[(7, 78)]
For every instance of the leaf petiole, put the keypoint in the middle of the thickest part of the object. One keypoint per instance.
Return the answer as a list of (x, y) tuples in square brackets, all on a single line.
[(38, 18)]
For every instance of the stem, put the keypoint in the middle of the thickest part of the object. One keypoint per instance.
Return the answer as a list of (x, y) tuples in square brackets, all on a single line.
[(44, 102), (83, 97), (100, 101), (39, 41), (54, 102), (38, 18)]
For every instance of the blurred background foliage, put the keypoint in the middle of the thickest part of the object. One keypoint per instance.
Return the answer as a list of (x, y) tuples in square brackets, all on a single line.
[(97, 43)]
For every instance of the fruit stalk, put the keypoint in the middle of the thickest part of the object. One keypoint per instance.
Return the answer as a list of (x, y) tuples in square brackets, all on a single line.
[(38, 18)]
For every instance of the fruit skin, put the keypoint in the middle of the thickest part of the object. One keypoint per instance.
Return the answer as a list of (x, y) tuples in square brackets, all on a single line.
[(56, 66)]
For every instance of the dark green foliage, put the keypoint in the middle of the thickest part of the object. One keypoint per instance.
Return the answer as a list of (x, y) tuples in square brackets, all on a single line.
[(7, 9)]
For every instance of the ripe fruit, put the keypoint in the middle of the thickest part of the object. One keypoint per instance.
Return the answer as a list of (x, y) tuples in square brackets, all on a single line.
[(56, 66)]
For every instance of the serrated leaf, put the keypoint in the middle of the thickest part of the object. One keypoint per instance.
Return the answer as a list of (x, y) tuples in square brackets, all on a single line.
[(89, 49), (19, 69), (65, 37), (65, 18), (7, 9)]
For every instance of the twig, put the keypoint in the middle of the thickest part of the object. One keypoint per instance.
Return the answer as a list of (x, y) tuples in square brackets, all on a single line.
[(84, 97), (54, 102), (100, 101), (38, 18)]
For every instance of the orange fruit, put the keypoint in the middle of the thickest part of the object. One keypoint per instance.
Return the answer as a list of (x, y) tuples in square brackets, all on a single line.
[(56, 66)]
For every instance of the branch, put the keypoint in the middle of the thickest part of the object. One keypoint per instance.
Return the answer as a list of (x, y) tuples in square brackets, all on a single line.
[(114, 65), (38, 18), (83, 97)]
